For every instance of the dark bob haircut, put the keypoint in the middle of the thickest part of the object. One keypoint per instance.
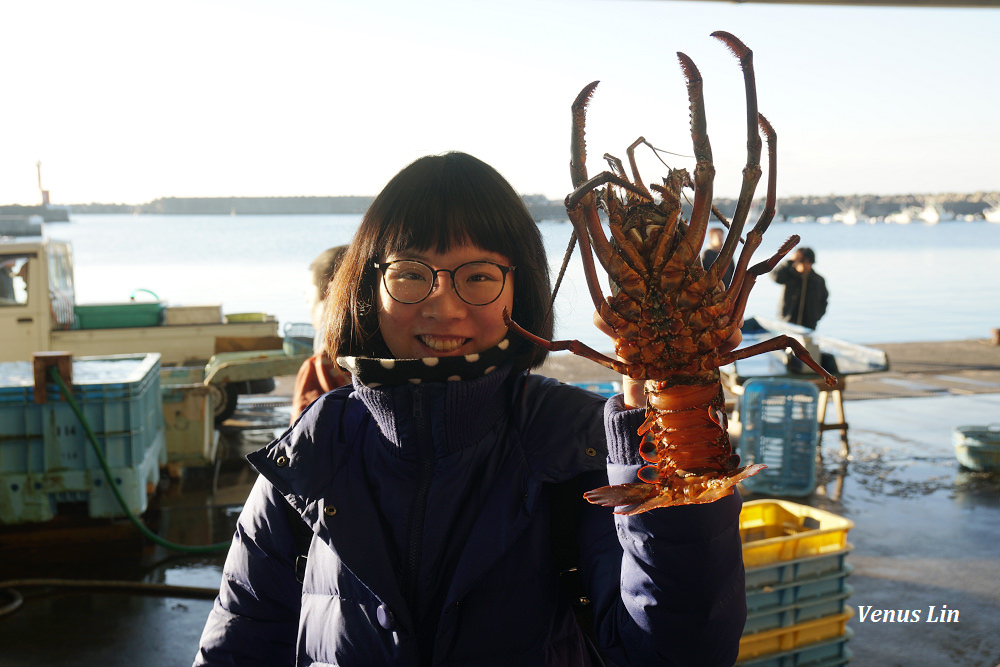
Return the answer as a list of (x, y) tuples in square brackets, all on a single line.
[(436, 203)]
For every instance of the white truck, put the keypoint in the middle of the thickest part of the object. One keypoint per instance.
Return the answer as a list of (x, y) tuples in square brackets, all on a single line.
[(38, 312)]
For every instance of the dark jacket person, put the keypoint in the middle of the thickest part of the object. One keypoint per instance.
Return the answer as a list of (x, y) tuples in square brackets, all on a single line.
[(805, 296)]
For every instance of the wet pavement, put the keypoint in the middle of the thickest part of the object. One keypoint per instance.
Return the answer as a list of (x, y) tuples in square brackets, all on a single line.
[(926, 533)]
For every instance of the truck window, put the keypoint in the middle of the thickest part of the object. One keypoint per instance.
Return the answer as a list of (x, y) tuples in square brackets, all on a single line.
[(61, 292), (13, 280)]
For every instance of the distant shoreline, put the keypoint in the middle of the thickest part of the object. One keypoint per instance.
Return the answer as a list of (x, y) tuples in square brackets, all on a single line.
[(541, 208)]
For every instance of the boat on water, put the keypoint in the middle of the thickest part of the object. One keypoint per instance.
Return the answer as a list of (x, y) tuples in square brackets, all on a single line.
[(904, 216), (933, 213), (992, 214), (930, 213), (850, 215)]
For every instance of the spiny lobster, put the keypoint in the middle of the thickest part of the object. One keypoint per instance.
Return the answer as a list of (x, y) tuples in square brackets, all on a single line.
[(671, 317)]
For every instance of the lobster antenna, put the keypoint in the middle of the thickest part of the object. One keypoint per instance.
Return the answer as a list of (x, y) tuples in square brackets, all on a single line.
[(562, 272), (725, 223), (657, 151)]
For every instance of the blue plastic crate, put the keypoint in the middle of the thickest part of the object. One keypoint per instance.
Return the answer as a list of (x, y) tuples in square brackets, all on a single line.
[(790, 571), (605, 389), (801, 591), (780, 430), (787, 616), (298, 338), (45, 455)]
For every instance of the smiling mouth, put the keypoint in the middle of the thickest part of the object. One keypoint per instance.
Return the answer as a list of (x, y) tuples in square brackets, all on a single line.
[(443, 343)]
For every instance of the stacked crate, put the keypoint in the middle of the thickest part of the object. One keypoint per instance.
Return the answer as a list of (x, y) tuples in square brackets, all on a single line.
[(796, 571), (46, 458)]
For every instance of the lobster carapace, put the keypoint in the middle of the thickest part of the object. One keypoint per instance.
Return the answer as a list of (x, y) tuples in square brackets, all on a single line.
[(672, 318)]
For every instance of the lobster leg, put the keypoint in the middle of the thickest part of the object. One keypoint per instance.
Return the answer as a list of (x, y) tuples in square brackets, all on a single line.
[(635, 168), (780, 343), (578, 143), (759, 269), (704, 176), (753, 241), (576, 216), (736, 303), (752, 171), (574, 346), (583, 214)]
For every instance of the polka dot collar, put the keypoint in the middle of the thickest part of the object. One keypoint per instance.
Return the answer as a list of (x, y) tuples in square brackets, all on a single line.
[(377, 372)]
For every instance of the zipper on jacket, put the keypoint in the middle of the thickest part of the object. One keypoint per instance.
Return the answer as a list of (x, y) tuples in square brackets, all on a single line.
[(426, 452)]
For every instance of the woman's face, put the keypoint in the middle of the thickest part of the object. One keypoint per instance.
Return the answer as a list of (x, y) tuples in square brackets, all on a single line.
[(443, 325)]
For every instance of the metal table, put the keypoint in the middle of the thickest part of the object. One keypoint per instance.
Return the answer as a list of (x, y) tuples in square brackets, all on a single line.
[(841, 358)]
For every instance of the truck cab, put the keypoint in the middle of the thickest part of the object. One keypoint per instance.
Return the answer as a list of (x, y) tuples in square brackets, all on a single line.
[(36, 294)]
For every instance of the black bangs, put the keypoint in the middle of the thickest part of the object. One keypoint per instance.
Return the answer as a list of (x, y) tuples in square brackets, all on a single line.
[(445, 205)]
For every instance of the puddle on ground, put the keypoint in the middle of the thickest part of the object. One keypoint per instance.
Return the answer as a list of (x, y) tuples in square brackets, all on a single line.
[(884, 465)]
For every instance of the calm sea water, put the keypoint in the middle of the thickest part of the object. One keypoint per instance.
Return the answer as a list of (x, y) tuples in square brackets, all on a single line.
[(888, 283)]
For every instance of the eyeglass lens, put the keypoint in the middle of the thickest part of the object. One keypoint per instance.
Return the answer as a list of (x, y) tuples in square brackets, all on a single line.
[(477, 283)]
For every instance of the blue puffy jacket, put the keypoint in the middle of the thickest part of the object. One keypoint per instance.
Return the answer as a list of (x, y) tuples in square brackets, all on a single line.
[(431, 508)]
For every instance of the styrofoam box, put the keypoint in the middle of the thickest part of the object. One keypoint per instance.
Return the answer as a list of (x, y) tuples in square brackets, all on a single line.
[(175, 315), (46, 457)]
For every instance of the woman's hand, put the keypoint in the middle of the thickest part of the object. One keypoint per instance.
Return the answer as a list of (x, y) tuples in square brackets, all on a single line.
[(633, 390), (733, 341)]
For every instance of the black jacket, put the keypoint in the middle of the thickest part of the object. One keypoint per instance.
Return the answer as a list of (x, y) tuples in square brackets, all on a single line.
[(805, 311)]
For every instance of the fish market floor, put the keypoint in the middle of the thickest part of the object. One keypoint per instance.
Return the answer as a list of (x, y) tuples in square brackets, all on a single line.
[(926, 533)]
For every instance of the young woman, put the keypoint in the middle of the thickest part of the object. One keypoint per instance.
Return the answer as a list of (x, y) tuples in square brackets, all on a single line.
[(442, 491)]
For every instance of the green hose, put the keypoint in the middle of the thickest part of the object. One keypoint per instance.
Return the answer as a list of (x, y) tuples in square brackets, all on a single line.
[(208, 548)]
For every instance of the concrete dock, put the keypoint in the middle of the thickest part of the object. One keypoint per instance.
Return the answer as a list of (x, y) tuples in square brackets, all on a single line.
[(926, 532)]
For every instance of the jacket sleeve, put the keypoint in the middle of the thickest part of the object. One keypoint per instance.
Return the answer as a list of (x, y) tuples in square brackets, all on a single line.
[(667, 586), (823, 298), (255, 617), (784, 271), (317, 375)]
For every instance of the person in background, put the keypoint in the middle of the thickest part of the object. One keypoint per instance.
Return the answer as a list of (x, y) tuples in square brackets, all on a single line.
[(434, 493), (805, 296), (319, 373), (7, 281), (711, 253)]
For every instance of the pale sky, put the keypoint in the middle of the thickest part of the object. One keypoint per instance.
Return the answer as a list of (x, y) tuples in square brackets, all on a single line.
[(126, 101)]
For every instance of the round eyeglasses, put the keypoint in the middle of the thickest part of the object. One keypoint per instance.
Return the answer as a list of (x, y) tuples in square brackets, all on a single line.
[(475, 283)]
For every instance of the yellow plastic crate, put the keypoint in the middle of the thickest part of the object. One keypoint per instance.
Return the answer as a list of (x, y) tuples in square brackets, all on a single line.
[(779, 530), (794, 636)]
